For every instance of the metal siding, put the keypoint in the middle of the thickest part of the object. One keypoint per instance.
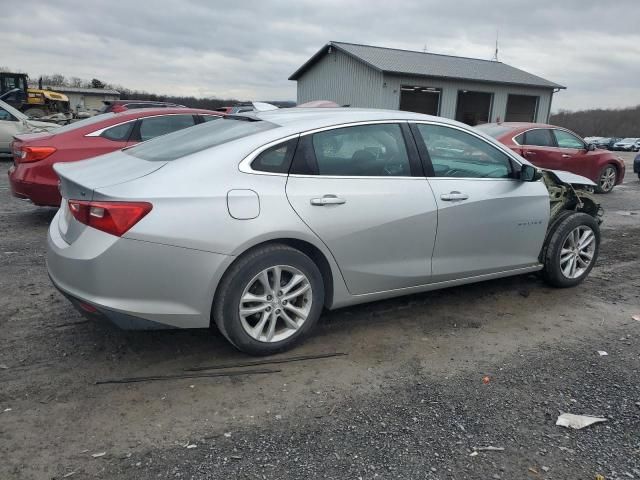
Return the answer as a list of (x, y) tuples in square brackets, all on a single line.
[(450, 90), (340, 78)]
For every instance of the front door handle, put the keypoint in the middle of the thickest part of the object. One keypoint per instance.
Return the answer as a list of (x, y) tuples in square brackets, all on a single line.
[(566, 155), (529, 152), (328, 200), (453, 196)]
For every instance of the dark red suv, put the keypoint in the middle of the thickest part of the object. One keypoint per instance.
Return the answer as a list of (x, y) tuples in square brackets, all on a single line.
[(117, 106), (557, 148), (32, 176)]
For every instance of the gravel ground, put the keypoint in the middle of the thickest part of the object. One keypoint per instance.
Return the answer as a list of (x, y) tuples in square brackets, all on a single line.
[(408, 401)]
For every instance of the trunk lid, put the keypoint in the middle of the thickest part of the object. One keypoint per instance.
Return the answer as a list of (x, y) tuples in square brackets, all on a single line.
[(79, 180)]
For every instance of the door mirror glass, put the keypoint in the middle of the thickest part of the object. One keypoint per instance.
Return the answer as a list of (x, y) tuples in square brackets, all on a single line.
[(591, 147), (529, 173)]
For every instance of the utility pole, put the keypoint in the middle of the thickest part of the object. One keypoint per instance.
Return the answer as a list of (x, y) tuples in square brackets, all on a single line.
[(495, 55)]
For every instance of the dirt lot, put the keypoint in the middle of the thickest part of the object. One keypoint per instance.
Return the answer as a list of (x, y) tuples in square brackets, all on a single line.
[(408, 401)]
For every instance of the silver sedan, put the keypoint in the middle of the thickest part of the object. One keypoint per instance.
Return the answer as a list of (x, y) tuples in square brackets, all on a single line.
[(256, 222)]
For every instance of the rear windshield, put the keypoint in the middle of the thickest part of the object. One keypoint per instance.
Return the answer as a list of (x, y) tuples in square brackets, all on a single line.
[(83, 123), (194, 139), (494, 131)]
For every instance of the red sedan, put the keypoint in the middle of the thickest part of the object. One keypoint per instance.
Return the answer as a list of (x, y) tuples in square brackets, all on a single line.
[(557, 148), (32, 176)]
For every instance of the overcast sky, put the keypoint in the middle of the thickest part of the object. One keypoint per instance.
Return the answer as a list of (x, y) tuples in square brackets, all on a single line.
[(247, 49)]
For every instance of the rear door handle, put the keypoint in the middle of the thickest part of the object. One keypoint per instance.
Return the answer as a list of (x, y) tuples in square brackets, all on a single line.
[(453, 196), (565, 155), (528, 152), (328, 200)]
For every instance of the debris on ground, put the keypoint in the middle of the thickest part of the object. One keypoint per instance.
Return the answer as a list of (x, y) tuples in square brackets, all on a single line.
[(99, 454), (489, 449), (486, 379), (577, 422), (636, 317), (602, 353)]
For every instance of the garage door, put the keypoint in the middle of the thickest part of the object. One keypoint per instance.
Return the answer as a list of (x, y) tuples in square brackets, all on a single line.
[(473, 108), (420, 100), (521, 108)]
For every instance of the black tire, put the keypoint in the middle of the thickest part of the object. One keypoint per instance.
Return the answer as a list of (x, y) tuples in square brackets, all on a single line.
[(639, 176), (226, 314), (552, 272), (606, 169)]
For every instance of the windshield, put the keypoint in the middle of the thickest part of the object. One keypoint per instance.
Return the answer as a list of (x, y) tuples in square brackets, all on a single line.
[(191, 140), (493, 129)]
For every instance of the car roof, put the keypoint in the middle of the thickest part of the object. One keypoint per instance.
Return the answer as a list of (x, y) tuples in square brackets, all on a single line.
[(303, 119)]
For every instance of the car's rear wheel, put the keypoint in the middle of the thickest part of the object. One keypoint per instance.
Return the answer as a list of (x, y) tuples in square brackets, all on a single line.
[(607, 179), (571, 250), (269, 300)]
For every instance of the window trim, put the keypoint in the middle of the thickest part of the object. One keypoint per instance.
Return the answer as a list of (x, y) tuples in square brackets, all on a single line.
[(97, 133), (245, 164), (135, 132), (429, 166)]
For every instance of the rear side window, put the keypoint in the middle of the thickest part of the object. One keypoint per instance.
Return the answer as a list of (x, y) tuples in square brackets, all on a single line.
[(539, 137), (119, 133), (362, 151), (276, 159), (206, 135), (156, 126)]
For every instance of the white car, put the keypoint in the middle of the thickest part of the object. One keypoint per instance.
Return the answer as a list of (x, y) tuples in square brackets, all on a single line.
[(13, 122)]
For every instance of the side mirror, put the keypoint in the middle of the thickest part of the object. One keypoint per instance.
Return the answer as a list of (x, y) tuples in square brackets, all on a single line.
[(591, 147), (529, 173)]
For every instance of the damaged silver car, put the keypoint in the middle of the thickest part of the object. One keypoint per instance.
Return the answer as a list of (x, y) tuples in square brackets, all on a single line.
[(257, 222)]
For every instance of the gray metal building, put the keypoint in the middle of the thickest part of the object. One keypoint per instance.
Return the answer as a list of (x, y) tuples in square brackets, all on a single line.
[(87, 99), (470, 90)]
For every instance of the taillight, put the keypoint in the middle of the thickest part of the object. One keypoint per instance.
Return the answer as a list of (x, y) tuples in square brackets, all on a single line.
[(33, 154), (115, 218)]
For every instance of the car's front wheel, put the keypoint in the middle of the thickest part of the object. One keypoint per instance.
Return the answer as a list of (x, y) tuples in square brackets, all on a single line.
[(607, 179), (571, 250), (269, 300)]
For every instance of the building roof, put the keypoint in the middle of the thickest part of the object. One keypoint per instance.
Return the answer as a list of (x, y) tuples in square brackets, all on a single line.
[(408, 62), (86, 91)]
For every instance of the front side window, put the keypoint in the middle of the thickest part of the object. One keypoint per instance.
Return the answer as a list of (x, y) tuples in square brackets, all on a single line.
[(156, 126), (539, 137), (276, 159), (363, 151), (568, 140), (455, 153), (119, 133)]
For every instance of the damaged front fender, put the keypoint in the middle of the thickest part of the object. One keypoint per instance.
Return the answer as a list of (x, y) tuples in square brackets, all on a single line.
[(568, 191)]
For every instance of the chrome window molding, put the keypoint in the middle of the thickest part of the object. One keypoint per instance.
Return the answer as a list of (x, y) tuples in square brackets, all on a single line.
[(97, 133), (245, 164)]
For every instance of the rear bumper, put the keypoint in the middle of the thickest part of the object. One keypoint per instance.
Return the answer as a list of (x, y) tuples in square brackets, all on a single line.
[(135, 284), (43, 194)]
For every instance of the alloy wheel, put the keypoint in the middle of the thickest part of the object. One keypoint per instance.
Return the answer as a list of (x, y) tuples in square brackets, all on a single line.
[(577, 251), (275, 303), (608, 179)]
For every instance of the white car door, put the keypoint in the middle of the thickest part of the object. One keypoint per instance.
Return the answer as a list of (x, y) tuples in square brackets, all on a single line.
[(9, 126), (362, 191), (488, 220)]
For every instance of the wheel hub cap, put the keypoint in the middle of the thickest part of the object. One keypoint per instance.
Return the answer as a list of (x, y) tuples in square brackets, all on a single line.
[(577, 251), (275, 303)]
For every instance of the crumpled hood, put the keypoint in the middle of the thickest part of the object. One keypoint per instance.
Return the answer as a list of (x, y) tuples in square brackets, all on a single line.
[(570, 178)]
